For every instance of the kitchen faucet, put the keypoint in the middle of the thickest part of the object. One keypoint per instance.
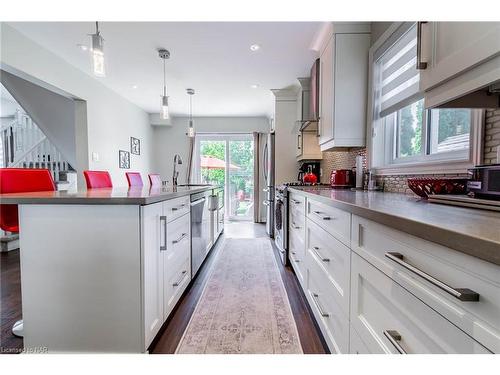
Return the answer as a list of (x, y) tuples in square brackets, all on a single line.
[(177, 160)]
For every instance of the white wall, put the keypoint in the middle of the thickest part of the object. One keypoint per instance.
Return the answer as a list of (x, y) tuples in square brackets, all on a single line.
[(171, 140), (111, 119)]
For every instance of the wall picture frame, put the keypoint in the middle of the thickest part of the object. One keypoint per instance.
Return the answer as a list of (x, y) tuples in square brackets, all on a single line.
[(124, 159), (135, 146)]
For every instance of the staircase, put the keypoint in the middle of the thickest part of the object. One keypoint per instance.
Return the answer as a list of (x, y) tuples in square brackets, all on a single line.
[(23, 145)]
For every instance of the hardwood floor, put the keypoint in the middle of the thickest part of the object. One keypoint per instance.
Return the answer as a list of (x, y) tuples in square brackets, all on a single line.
[(167, 341), (310, 336), (10, 301)]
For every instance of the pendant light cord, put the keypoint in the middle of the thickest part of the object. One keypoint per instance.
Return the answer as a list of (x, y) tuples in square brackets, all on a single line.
[(191, 108)]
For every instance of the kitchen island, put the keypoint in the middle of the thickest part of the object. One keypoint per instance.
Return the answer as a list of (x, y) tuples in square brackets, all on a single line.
[(102, 269)]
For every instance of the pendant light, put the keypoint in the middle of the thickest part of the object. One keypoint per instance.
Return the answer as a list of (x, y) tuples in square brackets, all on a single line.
[(164, 54), (191, 132), (97, 52)]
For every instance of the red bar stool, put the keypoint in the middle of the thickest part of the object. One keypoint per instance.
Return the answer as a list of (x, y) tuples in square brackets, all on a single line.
[(20, 180), (134, 179), (97, 179), (154, 179)]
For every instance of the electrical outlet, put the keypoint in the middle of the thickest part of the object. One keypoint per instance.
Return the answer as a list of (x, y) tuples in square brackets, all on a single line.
[(95, 156)]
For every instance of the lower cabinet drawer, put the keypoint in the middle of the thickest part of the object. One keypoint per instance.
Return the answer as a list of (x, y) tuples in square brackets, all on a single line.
[(176, 281), (334, 323), (296, 254), (389, 319), (176, 207), (178, 242), (440, 277), (335, 221), (356, 345), (331, 257)]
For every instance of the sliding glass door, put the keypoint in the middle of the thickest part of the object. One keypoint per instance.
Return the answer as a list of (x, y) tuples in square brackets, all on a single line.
[(228, 160)]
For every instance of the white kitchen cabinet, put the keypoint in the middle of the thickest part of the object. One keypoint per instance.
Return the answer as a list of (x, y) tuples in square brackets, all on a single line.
[(152, 260), (436, 275), (176, 262), (166, 249), (460, 57), (343, 86), (307, 146), (389, 319)]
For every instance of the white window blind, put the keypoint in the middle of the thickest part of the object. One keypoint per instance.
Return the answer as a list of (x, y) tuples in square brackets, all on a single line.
[(396, 77)]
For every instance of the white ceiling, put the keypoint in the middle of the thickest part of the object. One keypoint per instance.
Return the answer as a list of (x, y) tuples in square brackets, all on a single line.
[(214, 58)]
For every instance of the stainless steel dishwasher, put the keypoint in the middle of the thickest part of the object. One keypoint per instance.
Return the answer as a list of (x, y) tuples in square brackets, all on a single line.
[(201, 240)]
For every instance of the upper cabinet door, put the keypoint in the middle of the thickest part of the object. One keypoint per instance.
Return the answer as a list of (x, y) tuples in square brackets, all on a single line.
[(326, 92), (452, 48)]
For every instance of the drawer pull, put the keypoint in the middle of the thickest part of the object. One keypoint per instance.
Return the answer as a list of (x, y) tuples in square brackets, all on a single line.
[(320, 214), (183, 235), (315, 249), (293, 252), (315, 298), (295, 201), (394, 337), (179, 208), (463, 294), (294, 226), (183, 275)]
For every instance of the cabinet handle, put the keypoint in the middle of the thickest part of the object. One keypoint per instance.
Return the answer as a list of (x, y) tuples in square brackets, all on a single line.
[(318, 131), (462, 294), (421, 65), (315, 249), (294, 226), (164, 220), (394, 337), (183, 275), (320, 214), (298, 141), (294, 201), (180, 238), (315, 298), (179, 208)]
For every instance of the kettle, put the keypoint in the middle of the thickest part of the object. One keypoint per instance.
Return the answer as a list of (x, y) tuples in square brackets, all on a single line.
[(309, 177)]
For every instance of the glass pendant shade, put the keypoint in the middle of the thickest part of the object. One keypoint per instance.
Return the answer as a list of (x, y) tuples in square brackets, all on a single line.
[(191, 132), (98, 55), (164, 108)]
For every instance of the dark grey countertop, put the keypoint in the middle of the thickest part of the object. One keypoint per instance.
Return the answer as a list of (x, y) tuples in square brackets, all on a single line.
[(118, 195), (471, 231)]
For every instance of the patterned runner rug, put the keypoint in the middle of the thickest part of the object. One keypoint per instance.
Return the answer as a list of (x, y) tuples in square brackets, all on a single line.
[(244, 307)]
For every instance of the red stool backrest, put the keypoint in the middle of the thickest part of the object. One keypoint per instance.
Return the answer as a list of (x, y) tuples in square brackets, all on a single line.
[(21, 180), (154, 179), (134, 179), (97, 179)]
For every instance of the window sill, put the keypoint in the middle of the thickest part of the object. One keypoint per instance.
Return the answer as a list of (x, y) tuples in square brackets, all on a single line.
[(435, 167)]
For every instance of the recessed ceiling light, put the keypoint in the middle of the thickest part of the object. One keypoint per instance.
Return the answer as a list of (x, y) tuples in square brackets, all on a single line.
[(83, 47), (254, 86), (135, 86), (254, 47)]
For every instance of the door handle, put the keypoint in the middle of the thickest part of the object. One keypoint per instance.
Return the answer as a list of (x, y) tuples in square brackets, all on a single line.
[(421, 65), (183, 275), (462, 294), (315, 298), (394, 337), (316, 251), (180, 238), (164, 220), (320, 214), (178, 208)]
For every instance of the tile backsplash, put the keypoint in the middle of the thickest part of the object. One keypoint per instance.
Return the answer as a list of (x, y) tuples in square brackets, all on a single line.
[(346, 159), (491, 136), (343, 159)]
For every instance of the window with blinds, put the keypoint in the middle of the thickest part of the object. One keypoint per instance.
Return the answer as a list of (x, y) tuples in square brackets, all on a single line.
[(396, 79)]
